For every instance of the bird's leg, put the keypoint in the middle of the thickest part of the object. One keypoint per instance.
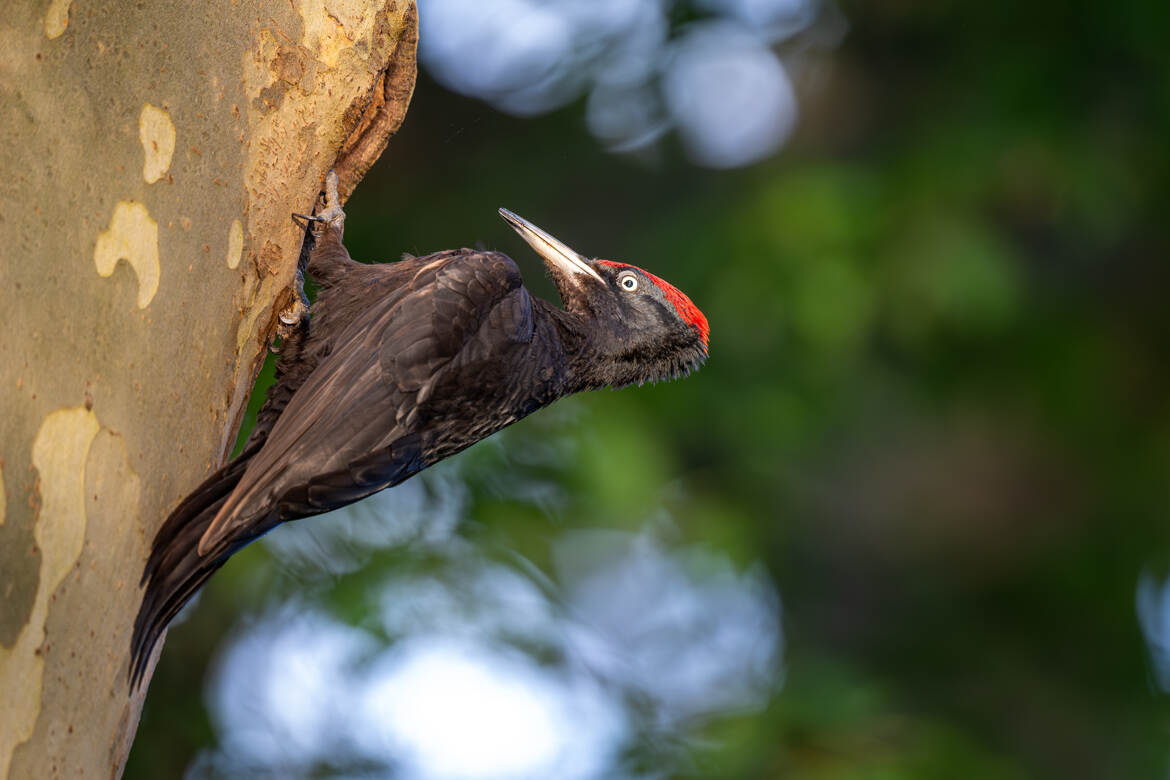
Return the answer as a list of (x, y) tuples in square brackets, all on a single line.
[(294, 320), (323, 255), (327, 260)]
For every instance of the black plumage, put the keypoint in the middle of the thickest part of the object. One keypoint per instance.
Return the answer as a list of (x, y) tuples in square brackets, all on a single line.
[(406, 364)]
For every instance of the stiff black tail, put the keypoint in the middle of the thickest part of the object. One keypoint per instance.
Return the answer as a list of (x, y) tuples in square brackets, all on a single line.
[(175, 570)]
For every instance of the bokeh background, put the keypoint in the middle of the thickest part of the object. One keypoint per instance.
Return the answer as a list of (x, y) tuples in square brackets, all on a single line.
[(912, 519)]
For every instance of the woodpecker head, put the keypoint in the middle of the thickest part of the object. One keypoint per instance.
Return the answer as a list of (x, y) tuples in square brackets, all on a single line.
[(640, 327)]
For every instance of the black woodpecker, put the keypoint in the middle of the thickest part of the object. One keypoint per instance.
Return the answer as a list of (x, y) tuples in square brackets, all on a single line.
[(405, 364)]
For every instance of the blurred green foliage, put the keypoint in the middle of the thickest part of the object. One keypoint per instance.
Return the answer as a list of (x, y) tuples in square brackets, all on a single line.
[(936, 402)]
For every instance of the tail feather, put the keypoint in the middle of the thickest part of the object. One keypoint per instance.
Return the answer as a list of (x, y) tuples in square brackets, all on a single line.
[(175, 571), (216, 487)]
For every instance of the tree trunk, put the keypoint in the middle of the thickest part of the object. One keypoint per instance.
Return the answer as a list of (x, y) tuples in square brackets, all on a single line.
[(152, 155)]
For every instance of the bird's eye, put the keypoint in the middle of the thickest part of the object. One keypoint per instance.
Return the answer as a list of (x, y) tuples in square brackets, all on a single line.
[(629, 282)]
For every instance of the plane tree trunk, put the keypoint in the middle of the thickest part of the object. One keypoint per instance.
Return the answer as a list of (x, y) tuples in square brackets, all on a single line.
[(152, 153)]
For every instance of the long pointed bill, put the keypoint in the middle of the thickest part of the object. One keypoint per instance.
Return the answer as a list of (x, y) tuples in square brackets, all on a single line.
[(554, 252)]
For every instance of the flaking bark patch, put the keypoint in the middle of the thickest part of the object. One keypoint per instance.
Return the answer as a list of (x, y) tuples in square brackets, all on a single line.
[(157, 134), (235, 243), (132, 236)]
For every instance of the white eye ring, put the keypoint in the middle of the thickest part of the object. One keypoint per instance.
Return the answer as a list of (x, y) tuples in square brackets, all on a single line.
[(628, 281)]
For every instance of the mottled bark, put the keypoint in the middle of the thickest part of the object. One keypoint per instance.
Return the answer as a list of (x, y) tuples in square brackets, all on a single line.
[(152, 153)]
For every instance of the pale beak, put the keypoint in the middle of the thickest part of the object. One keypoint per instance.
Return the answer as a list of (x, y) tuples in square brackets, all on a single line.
[(556, 254)]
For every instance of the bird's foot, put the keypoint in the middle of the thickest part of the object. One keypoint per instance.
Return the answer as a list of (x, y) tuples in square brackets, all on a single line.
[(332, 215), (329, 214), (293, 321)]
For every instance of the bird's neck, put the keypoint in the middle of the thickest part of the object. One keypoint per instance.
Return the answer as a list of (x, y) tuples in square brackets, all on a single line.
[(572, 345)]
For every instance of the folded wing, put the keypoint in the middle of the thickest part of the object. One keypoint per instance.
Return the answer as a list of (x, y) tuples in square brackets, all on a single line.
[(355, 426)]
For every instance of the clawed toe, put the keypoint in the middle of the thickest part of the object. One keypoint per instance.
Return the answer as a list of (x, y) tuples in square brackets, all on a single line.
[(294, 314), (331, 198)]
